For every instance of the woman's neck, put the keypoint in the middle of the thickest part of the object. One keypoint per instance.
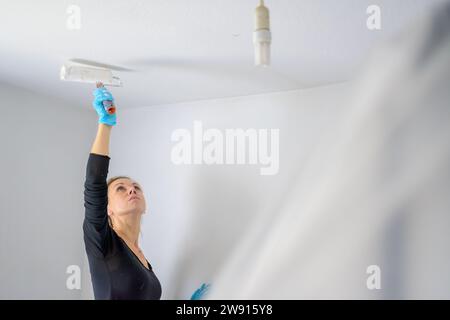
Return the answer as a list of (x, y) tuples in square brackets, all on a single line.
[(128, 229)]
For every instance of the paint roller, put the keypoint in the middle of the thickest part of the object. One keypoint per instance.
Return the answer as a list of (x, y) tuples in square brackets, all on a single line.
[(89, 74)]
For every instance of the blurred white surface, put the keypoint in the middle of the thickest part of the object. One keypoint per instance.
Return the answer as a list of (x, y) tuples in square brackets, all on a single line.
[(377, 192)]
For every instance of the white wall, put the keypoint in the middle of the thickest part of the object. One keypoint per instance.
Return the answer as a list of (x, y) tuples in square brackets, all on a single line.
[(197, 214), (44, 148)]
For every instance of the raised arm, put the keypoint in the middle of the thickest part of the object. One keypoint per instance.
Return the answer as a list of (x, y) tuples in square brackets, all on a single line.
[(95, 226), (101, 142)]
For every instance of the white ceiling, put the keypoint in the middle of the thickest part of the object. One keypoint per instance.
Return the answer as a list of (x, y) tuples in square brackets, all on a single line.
[(190, 50)]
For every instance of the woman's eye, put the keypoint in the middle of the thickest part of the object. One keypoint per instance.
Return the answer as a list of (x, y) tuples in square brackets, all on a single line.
[(124, 188)]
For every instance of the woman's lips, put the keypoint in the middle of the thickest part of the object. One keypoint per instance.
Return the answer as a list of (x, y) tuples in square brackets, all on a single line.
[(133, 198)]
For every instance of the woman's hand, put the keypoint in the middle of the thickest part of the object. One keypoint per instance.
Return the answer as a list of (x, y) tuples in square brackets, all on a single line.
[(102, 94), (200, 292)]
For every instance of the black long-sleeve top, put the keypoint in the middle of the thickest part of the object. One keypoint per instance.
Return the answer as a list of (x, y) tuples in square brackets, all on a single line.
[(116, 272)]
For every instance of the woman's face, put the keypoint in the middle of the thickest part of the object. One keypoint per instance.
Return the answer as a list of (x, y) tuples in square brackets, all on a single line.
[(125, 197)]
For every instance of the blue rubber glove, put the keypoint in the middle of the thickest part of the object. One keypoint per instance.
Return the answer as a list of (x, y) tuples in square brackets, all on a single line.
[(200, 292), (101, 94)]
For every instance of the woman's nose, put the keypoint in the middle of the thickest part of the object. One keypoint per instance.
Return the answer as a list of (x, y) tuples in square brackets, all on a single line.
[(132, 190)]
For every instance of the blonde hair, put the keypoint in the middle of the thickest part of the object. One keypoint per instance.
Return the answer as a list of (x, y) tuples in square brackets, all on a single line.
[(111, 180)]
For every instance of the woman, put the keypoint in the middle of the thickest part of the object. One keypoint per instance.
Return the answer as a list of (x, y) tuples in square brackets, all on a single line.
[(113, 211)]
